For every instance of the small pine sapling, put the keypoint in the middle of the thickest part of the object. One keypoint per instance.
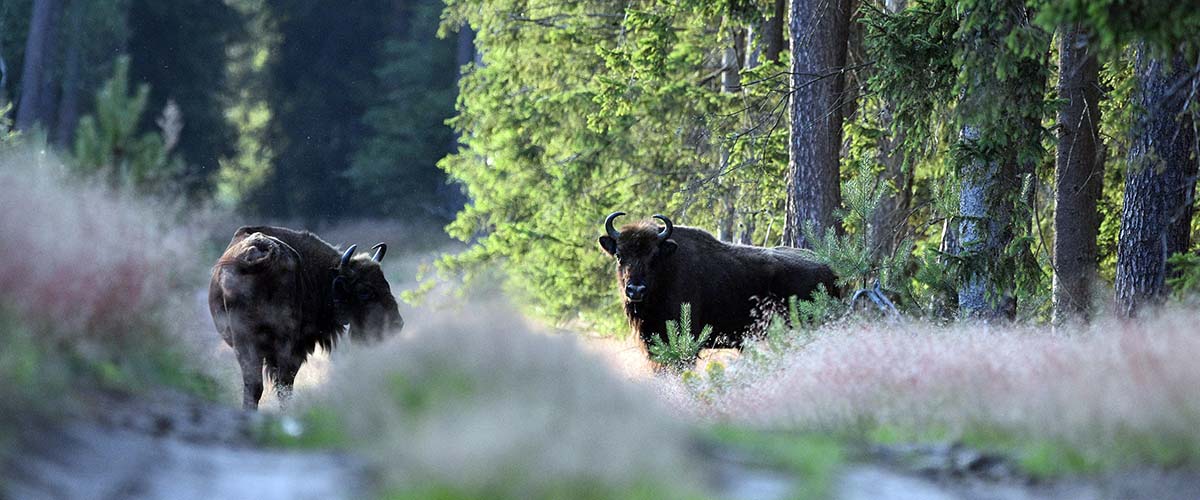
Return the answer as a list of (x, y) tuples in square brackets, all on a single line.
[(680, 350)]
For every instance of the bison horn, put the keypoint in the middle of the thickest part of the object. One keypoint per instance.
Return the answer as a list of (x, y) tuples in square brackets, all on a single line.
[(346, 256), (666, 232), (380, 250), (608, 224)]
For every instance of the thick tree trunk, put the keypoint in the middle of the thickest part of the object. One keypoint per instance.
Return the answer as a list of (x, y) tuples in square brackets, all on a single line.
[(39, 52), (986, 211), (1079, 176), (1160, 181), (819, 30)]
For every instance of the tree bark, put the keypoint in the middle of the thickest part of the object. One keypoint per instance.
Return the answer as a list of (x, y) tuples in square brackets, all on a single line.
[(39, 51), (1159, 183), (820, 30), (1079, 176), (889, 222), (986, 209)]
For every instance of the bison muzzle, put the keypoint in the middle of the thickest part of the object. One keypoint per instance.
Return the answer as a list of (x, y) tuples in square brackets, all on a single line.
[(731, 287), (276, 294)]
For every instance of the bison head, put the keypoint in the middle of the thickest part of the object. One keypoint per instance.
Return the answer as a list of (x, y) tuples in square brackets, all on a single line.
[(639, 249), (362, 296)]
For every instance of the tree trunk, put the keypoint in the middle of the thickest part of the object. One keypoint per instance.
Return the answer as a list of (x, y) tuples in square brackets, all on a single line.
[(1079, 176), (986, 209), (1159, 183), (3, 80), (68, 107), (819, 30), (731, 82), (773, 32), (889, 222), (39, 52)]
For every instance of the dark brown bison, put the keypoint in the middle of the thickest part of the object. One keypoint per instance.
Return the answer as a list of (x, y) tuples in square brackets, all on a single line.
[(276, 294), (728, 286)]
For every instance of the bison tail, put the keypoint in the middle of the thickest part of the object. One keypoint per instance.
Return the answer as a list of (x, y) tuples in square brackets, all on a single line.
[(255, 253)]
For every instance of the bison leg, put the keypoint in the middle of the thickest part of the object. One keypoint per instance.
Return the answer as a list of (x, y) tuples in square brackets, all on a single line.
[(251, 363), (284, 374)]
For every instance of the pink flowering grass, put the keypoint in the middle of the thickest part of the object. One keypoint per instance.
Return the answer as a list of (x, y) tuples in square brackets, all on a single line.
[(93, 273), (1115, 386)]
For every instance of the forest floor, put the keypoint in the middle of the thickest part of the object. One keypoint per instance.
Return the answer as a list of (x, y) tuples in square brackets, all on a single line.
[(169, 445)]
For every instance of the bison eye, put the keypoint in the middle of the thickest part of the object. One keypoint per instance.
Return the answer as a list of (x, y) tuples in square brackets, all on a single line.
[(365, 295)]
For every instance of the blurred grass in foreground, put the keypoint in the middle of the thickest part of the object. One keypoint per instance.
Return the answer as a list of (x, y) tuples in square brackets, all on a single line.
[(482, 407), (93, 279)]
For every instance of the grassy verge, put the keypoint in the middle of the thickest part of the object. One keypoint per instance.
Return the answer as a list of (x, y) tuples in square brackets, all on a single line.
[(1066, 401)]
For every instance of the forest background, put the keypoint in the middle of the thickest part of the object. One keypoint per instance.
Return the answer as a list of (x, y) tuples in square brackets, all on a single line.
[(1014, 159)]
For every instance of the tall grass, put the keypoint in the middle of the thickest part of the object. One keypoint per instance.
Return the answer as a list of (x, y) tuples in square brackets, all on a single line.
[(94, 278), (479, 406), (1111, 393)]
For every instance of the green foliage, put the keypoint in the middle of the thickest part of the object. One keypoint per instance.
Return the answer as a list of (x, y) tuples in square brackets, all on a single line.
[(967, 82), (408, 135), (554, 489), (582, 108), (809, 315), (1117, 114), (1184, 278), (318, 427), (179, 49), (245, 171), (681, 348), (850, 254), (1117, 23), (321, 78), (814, 457), (914, 70), (109, 144), (1049, 458), (8, 136)]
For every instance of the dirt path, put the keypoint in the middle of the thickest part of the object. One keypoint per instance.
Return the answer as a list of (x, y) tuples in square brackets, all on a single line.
[(171, 447)]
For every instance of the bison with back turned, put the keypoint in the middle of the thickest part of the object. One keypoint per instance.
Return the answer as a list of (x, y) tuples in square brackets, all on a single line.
[(276, 294), (729, 286)]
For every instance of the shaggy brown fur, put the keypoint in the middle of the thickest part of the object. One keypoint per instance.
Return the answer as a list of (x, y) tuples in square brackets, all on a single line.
[(276, 294), (729, 286)]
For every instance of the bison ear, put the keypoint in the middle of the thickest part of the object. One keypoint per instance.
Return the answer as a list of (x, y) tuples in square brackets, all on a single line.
[(666, 248), (608, 244)]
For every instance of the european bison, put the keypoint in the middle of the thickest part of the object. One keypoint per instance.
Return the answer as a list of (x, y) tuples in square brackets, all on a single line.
[(276, 294), (727, 285)]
